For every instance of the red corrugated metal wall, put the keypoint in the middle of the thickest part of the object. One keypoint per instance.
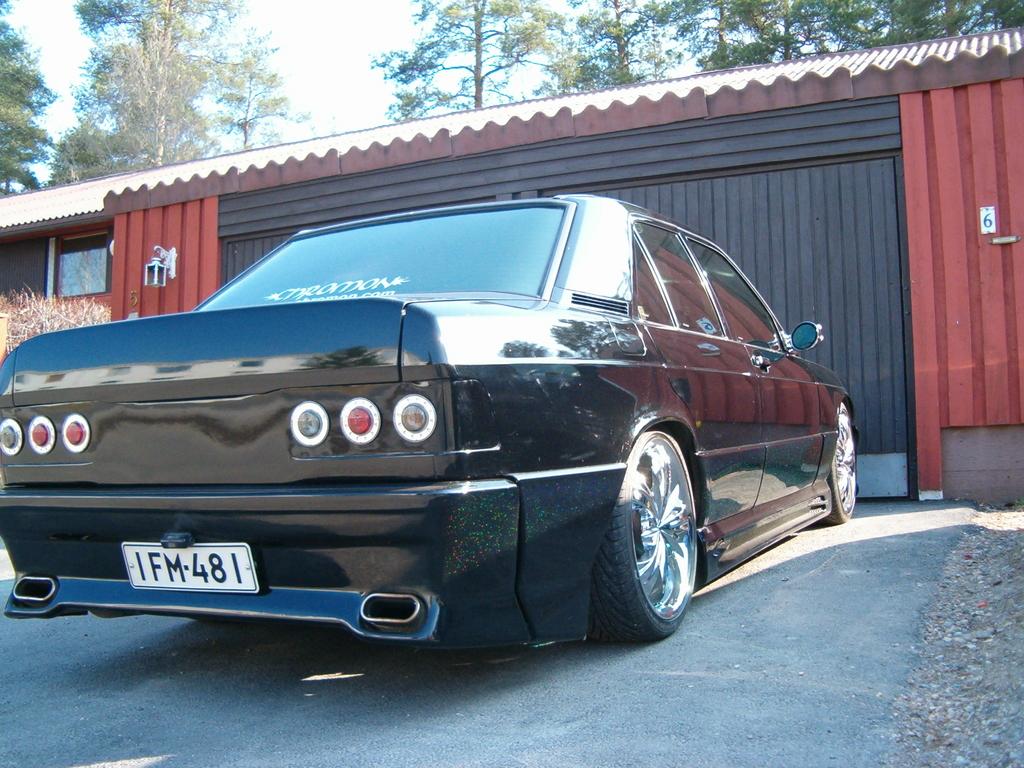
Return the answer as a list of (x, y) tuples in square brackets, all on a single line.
[(963, 148), (191, 228)]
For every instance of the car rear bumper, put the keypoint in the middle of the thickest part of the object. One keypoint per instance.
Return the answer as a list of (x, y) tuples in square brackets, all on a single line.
[(490, 562)]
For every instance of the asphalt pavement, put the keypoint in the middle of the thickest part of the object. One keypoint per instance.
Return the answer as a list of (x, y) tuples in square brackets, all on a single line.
[(793, 660)]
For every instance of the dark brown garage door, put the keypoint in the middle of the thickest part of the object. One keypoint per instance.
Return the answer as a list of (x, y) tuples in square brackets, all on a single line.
[(821, 243)]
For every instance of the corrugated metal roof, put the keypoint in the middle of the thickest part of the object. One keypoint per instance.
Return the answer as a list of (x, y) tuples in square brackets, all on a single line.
[(857, 74), (53, 203)]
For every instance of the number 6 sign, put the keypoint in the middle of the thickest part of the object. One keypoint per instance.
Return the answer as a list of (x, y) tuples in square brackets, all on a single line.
[(988, 220)]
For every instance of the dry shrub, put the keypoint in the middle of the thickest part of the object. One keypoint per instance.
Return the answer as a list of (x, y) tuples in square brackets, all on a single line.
[(31, 315)]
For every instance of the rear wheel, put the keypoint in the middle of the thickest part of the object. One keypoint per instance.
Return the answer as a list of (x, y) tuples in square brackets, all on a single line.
[(842, 478), (645, 570)]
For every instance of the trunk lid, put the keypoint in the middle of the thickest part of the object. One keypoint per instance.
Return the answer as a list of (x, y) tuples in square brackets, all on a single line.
[(222, 353), (205, 397)]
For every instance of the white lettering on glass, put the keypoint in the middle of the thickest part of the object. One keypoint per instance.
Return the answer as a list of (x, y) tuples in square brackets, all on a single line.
[(346, 290)]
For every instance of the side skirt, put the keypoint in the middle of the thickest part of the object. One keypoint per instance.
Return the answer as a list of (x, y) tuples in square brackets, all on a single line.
[(735, 539)]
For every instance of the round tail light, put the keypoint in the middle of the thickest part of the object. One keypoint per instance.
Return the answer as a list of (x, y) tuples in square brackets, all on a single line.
[(415, 418), (309, 424), (11, 437), (75, 433), (41, 435), (360, 420)]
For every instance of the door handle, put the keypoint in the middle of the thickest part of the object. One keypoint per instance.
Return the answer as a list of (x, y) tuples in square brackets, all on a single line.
[(760, 361)]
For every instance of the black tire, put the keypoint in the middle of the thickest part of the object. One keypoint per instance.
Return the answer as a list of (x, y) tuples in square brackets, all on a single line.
[(646, 567), (842, 477)]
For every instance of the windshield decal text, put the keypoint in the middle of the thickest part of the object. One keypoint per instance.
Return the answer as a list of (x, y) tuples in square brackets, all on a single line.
[(347, 290)]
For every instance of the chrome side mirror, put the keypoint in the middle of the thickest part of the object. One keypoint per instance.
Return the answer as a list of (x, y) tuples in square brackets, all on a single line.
[(806, 335)]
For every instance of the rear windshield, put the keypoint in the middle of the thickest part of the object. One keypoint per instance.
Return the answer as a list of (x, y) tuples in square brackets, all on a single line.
[(504, 251)]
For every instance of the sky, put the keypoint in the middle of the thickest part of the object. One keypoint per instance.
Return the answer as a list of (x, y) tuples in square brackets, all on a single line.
[(324, 53)]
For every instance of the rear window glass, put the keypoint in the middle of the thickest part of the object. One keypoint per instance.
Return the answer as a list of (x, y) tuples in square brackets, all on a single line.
[(503, 251)]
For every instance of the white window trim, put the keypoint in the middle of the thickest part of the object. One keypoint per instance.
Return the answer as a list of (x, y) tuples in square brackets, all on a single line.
[(51, 266)]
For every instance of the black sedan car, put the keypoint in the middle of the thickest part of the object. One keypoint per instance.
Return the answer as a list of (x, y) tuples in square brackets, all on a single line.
[(515, 422)]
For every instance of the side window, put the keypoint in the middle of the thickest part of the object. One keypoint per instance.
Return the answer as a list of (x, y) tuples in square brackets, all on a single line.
[(692, 305), (749, 319), (650, 304)]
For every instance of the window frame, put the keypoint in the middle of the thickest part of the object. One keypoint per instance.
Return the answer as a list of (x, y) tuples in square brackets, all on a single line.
[(640, 250), (780, 343), (60, 253), (551, 277), (682, 234)]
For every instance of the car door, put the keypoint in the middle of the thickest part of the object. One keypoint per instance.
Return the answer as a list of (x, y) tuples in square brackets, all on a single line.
[(708, 371), (790, 411)]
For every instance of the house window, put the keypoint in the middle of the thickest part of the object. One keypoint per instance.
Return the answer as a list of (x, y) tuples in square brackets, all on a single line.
[(83, 265)]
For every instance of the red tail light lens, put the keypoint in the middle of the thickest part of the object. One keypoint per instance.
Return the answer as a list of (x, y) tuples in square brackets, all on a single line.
[(415, 418), (11, 437), (75, 433), (360, 421), (41, 435)]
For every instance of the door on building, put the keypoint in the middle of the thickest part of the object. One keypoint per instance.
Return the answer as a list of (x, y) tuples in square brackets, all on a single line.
[(820, 243)]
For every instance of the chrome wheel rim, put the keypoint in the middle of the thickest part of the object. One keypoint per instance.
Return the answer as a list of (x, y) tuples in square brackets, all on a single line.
[(845, 462), (664, 532)]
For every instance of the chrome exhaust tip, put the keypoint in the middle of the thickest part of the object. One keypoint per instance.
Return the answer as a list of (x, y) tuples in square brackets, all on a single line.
[(34, 591), (391, 612)]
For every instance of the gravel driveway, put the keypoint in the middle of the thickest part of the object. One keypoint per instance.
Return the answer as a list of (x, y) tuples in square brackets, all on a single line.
[(798, 658), (965, 703)]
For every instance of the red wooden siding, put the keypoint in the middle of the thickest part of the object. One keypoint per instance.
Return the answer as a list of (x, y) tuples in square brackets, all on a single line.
[(963, 148), (189, 227)]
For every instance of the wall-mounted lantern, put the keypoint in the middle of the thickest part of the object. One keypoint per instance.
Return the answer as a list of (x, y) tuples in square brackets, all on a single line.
[(162, 267)]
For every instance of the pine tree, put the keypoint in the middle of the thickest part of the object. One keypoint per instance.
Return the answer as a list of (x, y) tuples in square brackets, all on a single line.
[(252, 95), (156, 71), (732, 33), (612, 42), (735, 33), (467, 54), (909, 20), (23, 99), (152, 63)]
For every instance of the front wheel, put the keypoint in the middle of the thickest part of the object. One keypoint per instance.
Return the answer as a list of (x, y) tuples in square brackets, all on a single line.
[(645, 570), (842, 478)]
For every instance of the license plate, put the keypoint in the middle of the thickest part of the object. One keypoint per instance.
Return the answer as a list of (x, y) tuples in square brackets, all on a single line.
[(199, 568)]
